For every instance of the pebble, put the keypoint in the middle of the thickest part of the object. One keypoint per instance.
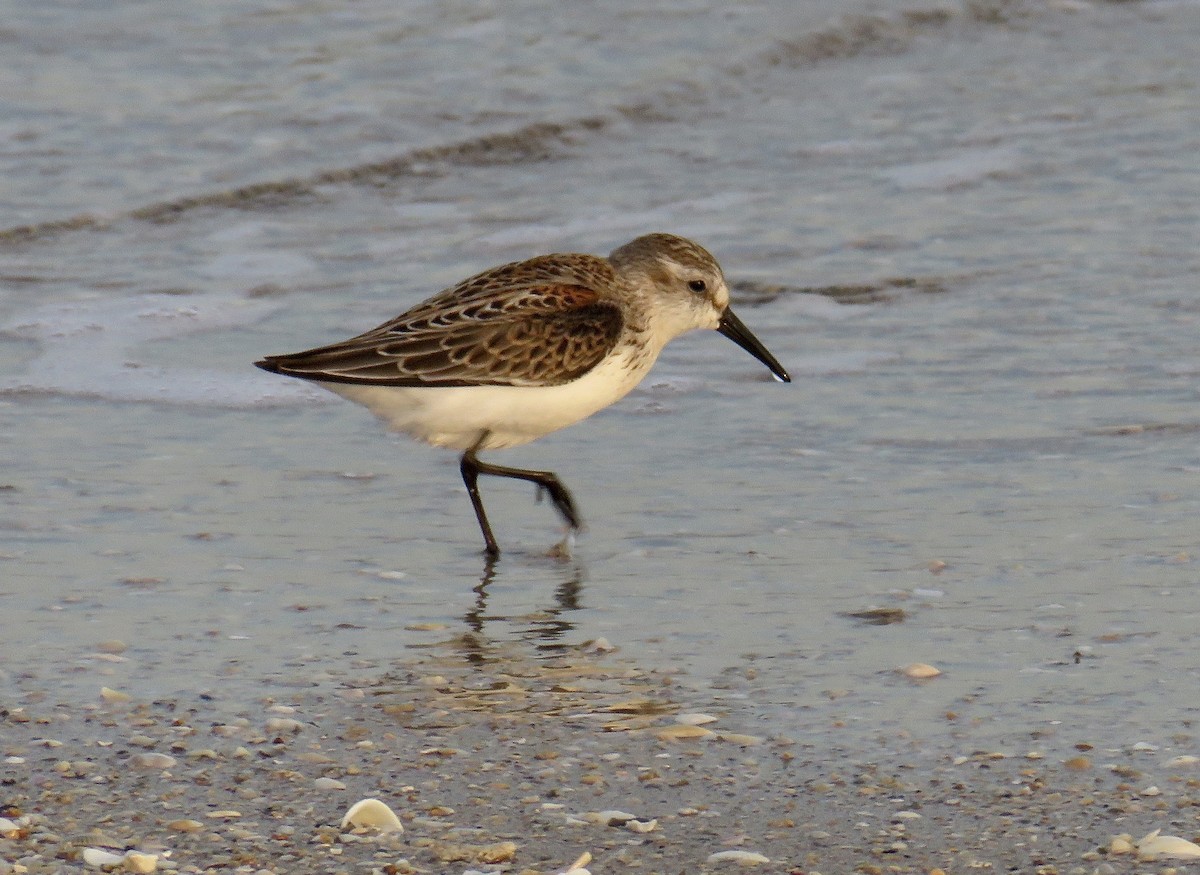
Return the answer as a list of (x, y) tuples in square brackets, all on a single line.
[(136, 861), (284, 725)]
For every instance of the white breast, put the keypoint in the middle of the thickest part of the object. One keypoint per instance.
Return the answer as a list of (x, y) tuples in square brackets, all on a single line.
[(512, 415)]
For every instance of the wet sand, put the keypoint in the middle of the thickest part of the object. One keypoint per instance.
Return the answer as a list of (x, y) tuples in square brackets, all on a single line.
[(499, 761)]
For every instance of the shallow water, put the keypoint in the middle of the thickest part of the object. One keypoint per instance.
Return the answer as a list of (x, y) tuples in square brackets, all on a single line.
[(1002, 443)]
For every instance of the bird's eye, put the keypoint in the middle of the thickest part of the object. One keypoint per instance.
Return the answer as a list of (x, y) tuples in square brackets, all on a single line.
[(697, 285)]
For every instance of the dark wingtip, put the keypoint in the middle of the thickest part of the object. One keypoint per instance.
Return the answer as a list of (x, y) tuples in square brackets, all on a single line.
[(270, 363)]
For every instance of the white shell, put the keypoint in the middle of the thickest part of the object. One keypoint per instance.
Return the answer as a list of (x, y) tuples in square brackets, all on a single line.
[(154, 760), (578, 867), (102, 859), (920, 671), (1154, 846), (372, 812), (742, 858), (609, 817)]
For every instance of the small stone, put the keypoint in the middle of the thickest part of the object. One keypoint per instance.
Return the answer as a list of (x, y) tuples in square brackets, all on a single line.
[(284, 725), (136, 861)]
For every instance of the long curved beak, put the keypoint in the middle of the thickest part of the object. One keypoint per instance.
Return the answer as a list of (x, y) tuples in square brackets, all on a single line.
[(733, 328)]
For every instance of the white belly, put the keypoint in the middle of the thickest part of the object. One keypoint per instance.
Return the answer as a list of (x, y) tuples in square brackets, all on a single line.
[(512, 415)]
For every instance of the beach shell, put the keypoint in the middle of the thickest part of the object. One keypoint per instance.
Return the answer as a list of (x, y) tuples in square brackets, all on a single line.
[(153, 760), (578, 867), (742, 858), (739, 738), (683, 732), (695, 719), (99, 858), (920, 671), (609, 817), (1155, 847), (373, 813)]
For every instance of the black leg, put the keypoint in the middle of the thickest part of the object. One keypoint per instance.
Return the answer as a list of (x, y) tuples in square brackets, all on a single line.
[(547, 480), (470, 468)]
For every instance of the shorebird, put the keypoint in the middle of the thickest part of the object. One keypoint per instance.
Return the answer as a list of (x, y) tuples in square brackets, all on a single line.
[(526, 348)]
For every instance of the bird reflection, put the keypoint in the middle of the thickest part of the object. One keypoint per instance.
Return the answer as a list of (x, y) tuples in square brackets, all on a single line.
[(545, 629)]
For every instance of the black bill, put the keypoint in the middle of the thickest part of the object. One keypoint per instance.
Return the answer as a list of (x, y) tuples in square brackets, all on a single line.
[(733, 328)]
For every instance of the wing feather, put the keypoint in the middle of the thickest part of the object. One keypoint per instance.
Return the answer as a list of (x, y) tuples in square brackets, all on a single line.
[(480, 333)]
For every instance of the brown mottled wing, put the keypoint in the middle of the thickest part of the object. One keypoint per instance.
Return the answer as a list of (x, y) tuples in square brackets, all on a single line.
[(536, 335)]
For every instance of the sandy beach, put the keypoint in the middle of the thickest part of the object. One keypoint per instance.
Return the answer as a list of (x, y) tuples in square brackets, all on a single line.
[(495, 761)]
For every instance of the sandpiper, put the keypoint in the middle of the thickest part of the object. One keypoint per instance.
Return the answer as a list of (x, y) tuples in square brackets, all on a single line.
[(527, 348)]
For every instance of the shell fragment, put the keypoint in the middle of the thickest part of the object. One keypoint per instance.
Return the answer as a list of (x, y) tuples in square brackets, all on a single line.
[(372, 813)]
